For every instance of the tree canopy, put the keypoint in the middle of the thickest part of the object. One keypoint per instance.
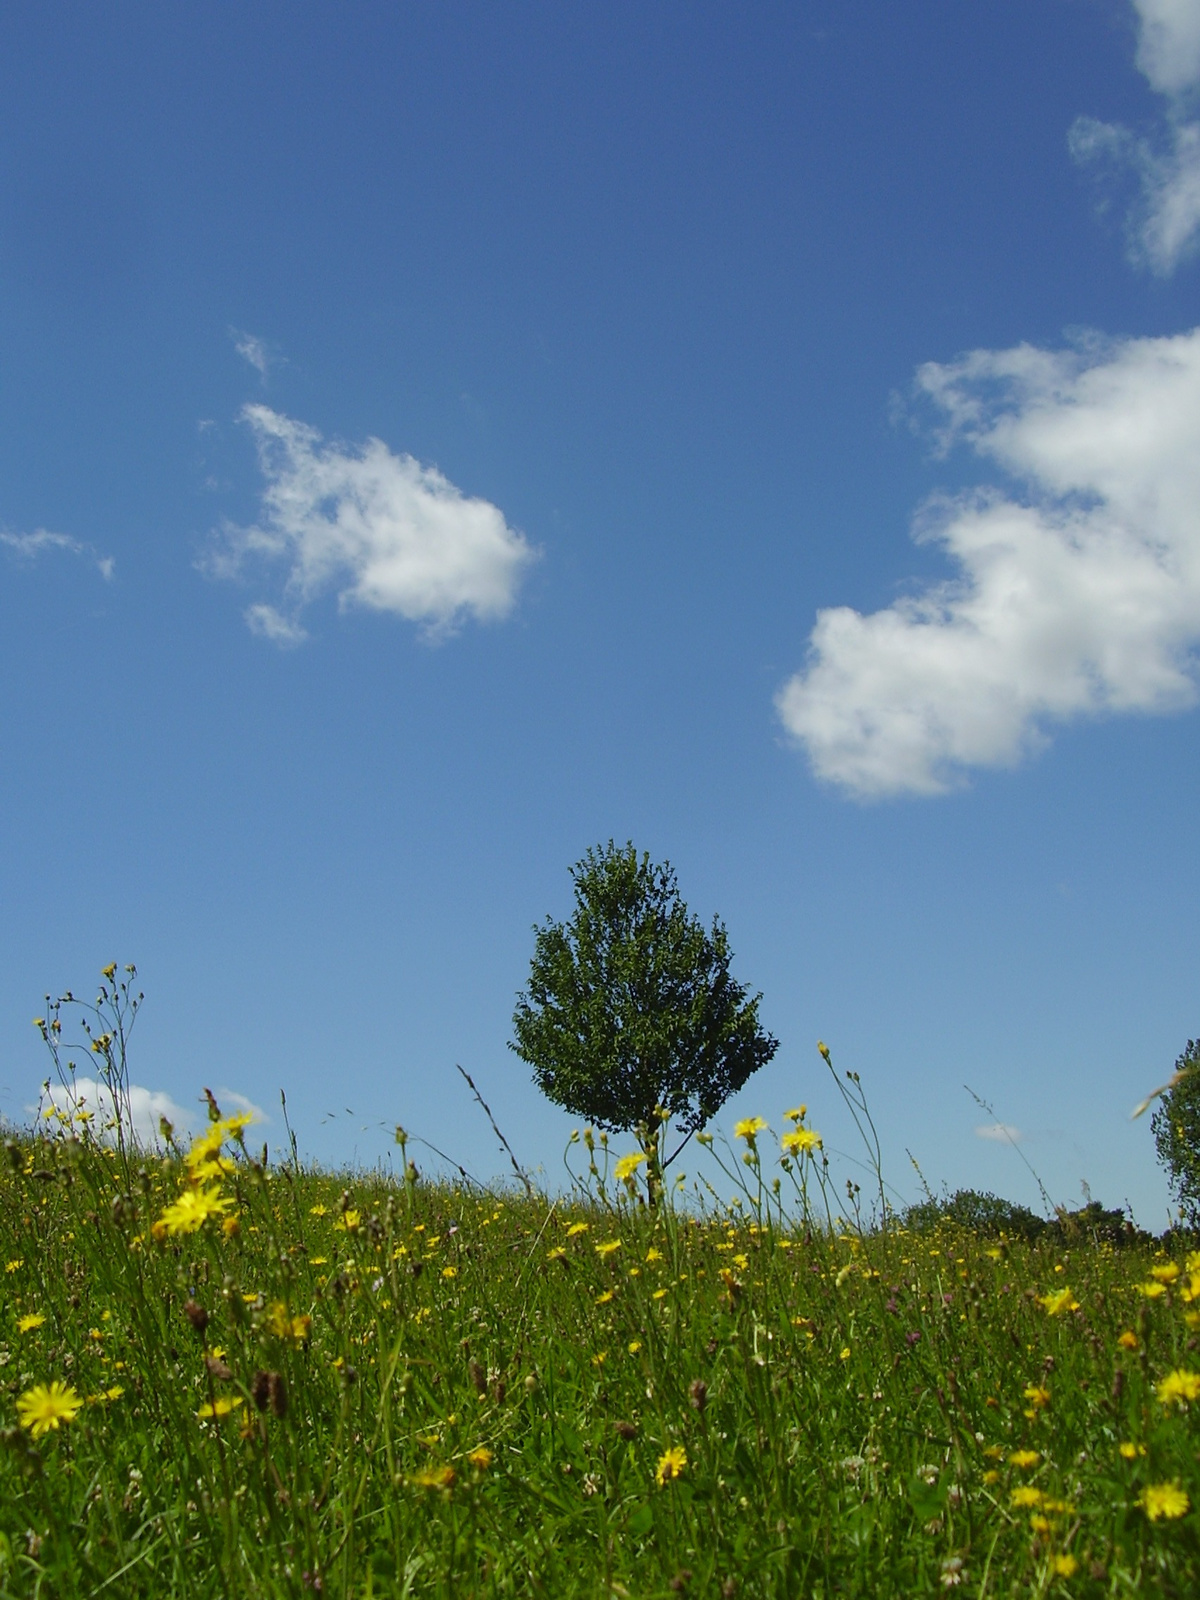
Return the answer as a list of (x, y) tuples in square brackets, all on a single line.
[(1176, 1127), (630, 1010)]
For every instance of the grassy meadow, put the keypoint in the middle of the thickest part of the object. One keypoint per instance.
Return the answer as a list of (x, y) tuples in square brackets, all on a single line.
[(222, 1377)]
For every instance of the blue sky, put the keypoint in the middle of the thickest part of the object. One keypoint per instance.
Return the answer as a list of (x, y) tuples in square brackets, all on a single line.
[(434, 440)]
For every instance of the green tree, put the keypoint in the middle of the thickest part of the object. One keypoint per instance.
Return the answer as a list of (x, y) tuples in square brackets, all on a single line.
[(631, 1016), (1176, 1128)]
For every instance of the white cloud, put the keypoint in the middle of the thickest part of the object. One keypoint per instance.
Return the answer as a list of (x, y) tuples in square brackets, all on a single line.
[(1079, 596), (1163, 225), (142, 1110), (28, 546), (1001, 1132), (1168, 53), (251, 349), (382, 530)]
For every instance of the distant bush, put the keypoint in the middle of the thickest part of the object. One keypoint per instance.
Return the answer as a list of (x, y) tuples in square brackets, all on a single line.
[(979, 1212), (989, 1216)]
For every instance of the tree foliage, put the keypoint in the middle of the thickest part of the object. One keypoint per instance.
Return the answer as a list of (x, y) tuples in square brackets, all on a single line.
[(1176, 1128), (630, 1009)]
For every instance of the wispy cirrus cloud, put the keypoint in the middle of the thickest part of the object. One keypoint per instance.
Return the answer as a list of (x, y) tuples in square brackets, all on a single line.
[(29, 546), (380, 530), (254, 350), (1076, 594), (1163, 223)]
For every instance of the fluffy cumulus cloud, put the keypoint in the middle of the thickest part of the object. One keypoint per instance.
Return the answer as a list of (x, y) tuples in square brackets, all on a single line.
[(1077, 591), (1164, 222), (29, 546), (381, 530), (144, 1109)]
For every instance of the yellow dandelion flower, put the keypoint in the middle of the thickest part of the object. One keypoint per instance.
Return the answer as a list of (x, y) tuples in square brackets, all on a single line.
[(46, 1406), (1024, 1458), (603, 1299), (349, 1221), (634, 1346), (1037, 1396), (577, 1228), (1178, 1387), (991, 1476), (435, 1478), (1065, 1565), (284, 1325), (480, 1457), (231, 1227), (801, 1141), (627, 1166), (557, 1254), (1131, 1451), (192, 1209), (1059, 1301), (795, 1115), (658, 1294), (1128, 1340), (1163, 1500), (318, 1211), (654, 1255), (1152, 1290), (844, 1354), (749, 1128), (449, 1272), (1167, 1272), (1039, 1523), (1026, 1495), (671, 1464), (27, 1324), (607, 1248), (220, 1407), (14, 1266)]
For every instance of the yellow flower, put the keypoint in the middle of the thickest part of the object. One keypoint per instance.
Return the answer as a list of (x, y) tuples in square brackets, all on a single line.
[(1065, 1566), (318, 1211), (1131, 1451), (801, 1141), (192, 1210), (627, 1166), (796, 1115), (349, 1221), (603, 1299), (557, 1254), (1128, 1340), (577, 1228), (1058, 1302), (670, 1464), (1152, 1290), (480, 1457), (845, 1353), (1178, 1387), (634, 1346), (658, 1294), (1026, 1495), (607, 1248), (1037, 1396), (991, 1476), (219, 1408), (1024, 1458), (284, 1325), (1040, 1524), (449, 1272), (654, 1255), (1166, 1273), (231, 1227), (435, 1478), (14, 1266), (29, 1323), (749, 1129), (45, 1406), (1163, 1500)]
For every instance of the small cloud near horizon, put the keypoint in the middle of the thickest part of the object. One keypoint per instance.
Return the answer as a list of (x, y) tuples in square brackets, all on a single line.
[(999, 1132)]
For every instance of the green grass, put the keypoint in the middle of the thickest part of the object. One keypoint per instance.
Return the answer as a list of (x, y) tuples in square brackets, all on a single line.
[(847, 1404)]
